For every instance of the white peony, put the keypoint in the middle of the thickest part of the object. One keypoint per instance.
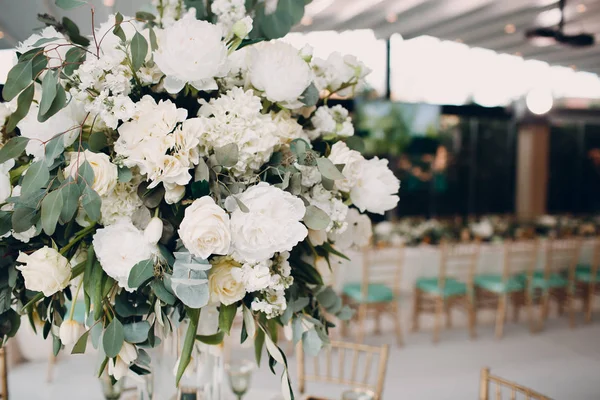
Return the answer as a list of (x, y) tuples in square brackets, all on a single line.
[(105, 172), (278, 70), (221, 284), (45, 270), (272, 223), (119, 248), (339, 74), (377, 188), (66, 122), (191, 51), (204, 229), (353, 163), (357, 234)]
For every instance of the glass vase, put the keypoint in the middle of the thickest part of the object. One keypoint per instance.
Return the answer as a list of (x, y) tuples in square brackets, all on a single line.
[(111, 389)]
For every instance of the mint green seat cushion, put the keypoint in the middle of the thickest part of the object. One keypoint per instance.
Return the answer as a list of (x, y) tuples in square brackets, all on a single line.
[(451, 288), (79, 314), (494, 283), (376, 293), (538, 280), (583, 275)]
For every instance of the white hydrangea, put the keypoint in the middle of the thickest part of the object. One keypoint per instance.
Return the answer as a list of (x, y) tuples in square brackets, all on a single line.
[(235, 117), (168, 11), (287, 128), (332, 121), (228, 12), (121, 204), (339, 74), (331, 205)]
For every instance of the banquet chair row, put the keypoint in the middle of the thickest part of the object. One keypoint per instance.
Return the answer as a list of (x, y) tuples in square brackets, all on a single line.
[(493, 387), (519, 282)]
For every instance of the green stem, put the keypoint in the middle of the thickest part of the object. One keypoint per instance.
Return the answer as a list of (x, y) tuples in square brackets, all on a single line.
[(80, 235), (74, 302), (16, 173)]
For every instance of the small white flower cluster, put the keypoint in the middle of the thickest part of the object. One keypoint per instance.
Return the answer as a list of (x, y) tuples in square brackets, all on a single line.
[(330, 122), (333, 206), (340, 74), (228, 12), (168, 11), (270, 278)]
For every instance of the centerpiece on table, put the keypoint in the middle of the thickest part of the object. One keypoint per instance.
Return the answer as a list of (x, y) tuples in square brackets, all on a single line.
[(174, 161)]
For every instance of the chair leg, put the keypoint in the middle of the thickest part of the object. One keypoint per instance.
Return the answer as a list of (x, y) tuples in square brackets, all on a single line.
[(377, 330), (516, 306), (500, 314), (529, 309), (448, 315), (545, 308), (590, 303), (397, 323), (472, 310), (570, 309), (362, 316), (439, 312), (416, 310)]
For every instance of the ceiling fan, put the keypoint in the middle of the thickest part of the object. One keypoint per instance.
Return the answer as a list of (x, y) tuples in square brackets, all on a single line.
[(544, 36)]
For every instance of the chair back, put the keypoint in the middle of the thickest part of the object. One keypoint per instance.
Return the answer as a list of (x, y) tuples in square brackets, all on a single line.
[(520, 256), (458, 261), (348, 364), (382, 265), (561, 255), (493, 387)]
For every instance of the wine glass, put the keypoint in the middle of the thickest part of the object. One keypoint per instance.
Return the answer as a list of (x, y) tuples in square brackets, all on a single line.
[(240, 373)]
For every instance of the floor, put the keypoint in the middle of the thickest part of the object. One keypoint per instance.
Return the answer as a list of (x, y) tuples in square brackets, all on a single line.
[(560, 362)]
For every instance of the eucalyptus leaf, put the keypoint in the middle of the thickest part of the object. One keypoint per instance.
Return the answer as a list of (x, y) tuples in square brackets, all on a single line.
[(226, 315), (73, 32), (201, 172), (81, 344), (23, 218), (139, 50), (73, 59), (36, 177), (38, 63), (140, 273), (311, 343), (97, 141), (188, 343), (54, 148), (51, 208), (227, 155), (13, 148), (57, 104), (5, 222), (212, 340), (119, 32), (70, 194), (91, 203), (125, 174), (310, 96), (189, 280), (160, 290), (18, 78), (69, 4), (113, 338), (315, 218), (153, 41), (48, 91), (136, 332), (144, 16), (328, 169), (23, 105)]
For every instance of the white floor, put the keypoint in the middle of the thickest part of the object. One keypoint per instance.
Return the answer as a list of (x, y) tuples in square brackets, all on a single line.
[(560, 362)]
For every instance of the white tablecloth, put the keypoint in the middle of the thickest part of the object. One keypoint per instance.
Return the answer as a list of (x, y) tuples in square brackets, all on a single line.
[(424, 261)]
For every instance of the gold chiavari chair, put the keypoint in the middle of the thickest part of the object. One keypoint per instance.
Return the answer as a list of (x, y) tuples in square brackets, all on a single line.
[(495, 289), (588, 281), (557, 280), (379, 290), (347, 364), (3, 374), (453, 286), (492, 387)]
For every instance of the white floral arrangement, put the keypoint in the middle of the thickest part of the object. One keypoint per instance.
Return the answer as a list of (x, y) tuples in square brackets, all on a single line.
[(174, 161)]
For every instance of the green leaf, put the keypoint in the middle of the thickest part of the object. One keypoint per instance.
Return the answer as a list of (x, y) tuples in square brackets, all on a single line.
[(23, 218), (124, 174), (330, 249), (5, 222), (226, 316), (315, 218), (136, 332), (73, 32), (161, 292), (97, 141), (259, 341), (200, 189), (81, 344), (18, 78), (140, 273), (311, 343), (118, 31), (212, 340), (310, 96), (38, 63), (57, 104), (23, 105), (153, 41), (150, 197), (188, 343), (113, 338), (70, 194), (144, 16), (48, 91), (327, 297), (227, 155), (328, 170), (293, 8), (74, 57), (118, 18), (91, 203), (54, 148), (13, 148), (69, 4), (51, 208), (85, 174), (37, 176), (56, 345), (356, 143), (139, 49)]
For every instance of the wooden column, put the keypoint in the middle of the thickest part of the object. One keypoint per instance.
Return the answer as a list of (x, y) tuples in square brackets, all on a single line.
[(533, 147)]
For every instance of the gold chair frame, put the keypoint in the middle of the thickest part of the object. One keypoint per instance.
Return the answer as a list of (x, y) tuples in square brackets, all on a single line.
[(466, 254), (487, 380), (371, 353), (592, 288), (3, 374)]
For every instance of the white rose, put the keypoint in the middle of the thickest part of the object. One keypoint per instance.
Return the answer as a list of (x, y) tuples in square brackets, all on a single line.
[(353, 164), (45, 270), (357, 234), (377, 188), (69, 332), (191, 51), (205, 228), (272, 223), (119, 248), (223, 287), (105, 173), (279, 71)]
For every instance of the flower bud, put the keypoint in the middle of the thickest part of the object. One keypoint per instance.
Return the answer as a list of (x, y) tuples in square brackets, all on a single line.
[(307, 53), (128, 353), (154, 230), (69, 332), (242, 28), (317, 238)]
